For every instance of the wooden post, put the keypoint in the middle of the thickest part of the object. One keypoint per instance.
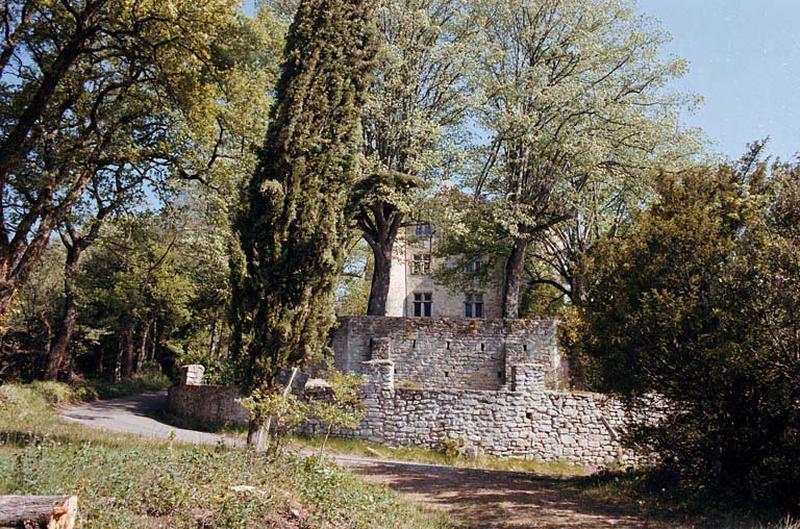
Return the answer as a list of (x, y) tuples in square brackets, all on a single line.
[(38, 512)]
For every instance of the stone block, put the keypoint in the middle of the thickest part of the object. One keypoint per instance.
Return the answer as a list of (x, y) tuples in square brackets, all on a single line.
[(191, 375)]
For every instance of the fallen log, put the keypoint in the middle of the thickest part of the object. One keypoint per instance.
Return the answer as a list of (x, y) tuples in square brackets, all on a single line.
[(38, 512)]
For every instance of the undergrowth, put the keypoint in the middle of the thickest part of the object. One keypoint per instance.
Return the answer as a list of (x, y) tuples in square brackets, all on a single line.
[(126, 482), (152, 379), (658, 493)]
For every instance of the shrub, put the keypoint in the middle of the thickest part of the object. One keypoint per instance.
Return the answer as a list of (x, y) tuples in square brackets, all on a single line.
[(55, 392), (284, 413), (699, 305), (452, 447), (344, 410)]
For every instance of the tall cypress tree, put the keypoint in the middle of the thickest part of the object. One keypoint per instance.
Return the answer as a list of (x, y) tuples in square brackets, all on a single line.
[(293, 222)]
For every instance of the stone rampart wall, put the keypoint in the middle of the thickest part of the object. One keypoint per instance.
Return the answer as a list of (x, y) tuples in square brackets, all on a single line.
[(524, 421), (444, 353)]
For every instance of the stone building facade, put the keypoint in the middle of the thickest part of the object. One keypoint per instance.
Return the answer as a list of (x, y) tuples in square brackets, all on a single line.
[(414, 293)]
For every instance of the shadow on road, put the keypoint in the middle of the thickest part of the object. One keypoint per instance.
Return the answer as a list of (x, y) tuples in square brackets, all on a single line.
[(496, 499)]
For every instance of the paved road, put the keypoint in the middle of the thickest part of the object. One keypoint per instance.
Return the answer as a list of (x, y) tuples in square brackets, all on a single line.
[(484, 499), (139, 415)]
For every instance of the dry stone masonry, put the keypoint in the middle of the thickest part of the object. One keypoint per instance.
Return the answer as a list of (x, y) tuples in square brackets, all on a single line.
[(492, 385), (525, 420), (437, 353)]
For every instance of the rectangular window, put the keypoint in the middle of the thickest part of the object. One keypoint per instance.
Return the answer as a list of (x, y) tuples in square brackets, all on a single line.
[(421, 264), (423, 229), (473, 267), (473, 306), (423, 305)]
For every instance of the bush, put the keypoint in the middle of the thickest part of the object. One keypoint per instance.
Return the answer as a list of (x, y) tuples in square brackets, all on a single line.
[(55, 392), (345, 409), (699, 305), (452, 447)]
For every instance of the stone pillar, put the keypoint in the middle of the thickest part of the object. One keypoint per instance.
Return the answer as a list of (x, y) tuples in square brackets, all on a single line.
[(527, 378), (191, 375), (380, 375), (378, 400), (381, 349)]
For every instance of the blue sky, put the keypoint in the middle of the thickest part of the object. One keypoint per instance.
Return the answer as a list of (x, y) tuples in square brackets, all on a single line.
[(744, 60)]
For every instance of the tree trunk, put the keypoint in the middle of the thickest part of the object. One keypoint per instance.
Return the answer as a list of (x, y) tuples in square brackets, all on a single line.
[(512, 281), (381, 234), (38, 512), (118, 361), (130, 351), (141, 356), (153, 343), (381, 279), (212, 346), (58, 359)]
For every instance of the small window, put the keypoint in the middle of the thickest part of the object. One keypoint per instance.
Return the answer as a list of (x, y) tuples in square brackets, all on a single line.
[(423, 305), (423, 229), (473, 267), (473, 306), (421, 264)]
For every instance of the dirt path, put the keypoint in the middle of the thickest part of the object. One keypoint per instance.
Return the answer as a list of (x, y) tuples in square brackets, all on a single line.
[(481, 498)]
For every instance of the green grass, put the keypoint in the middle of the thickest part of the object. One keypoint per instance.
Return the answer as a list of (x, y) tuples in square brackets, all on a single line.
[(139, 383), (437, 457), (125, 482)]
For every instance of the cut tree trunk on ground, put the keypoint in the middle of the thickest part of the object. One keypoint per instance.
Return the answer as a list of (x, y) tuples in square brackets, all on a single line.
[(38, 512)]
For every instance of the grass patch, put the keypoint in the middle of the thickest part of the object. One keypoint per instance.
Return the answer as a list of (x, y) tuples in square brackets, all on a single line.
[(125, 482), (437, 457), (146, 381)]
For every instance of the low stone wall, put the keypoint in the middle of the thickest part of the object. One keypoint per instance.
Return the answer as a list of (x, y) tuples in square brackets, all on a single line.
[(438, 353), (525, 421), (207, 405)]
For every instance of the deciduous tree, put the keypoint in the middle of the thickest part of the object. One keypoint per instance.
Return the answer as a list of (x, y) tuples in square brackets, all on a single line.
[(89, 88), (207, 139), (574, 100)]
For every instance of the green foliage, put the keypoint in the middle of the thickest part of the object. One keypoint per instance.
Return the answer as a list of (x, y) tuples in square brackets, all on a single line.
[(27, 331), (150, 378), (133, 484), (288, 410), (575, 103), (352, 291), (451, 447), (698, 305), (100, 98), (345, 409), (180, 105), (55, 392), (292, 228)]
